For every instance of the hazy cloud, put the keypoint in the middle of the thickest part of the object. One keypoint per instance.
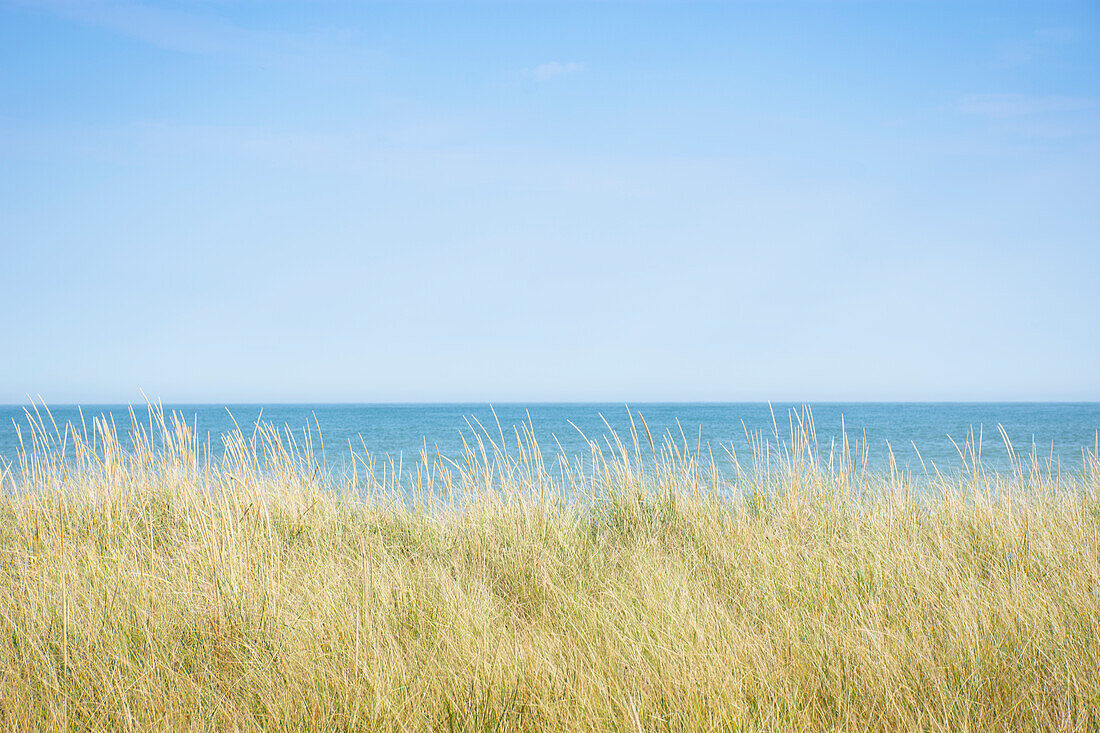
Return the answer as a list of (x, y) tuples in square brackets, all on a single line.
[(1059, 36), (553, 69), (1007, 106), (199, 33), (1042, 41), (1036, 116)]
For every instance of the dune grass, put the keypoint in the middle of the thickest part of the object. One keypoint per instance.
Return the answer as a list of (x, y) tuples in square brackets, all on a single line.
[(155, 587)]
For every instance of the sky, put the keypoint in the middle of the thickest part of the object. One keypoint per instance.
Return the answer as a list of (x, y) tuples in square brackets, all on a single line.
[(241, 201)]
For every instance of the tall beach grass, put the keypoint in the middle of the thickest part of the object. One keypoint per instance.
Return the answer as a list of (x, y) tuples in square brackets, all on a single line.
[(147, 584)]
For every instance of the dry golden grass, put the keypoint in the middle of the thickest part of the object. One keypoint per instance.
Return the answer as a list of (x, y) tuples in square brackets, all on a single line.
[(155, 588)]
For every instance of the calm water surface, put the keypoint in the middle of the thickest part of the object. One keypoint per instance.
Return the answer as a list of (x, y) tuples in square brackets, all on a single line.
[(1060, 430)]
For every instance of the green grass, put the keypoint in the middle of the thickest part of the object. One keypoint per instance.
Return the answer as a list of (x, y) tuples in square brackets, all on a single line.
[(158, 589)]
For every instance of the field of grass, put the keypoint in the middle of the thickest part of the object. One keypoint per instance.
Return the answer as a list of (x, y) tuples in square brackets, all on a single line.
[(157, 588)]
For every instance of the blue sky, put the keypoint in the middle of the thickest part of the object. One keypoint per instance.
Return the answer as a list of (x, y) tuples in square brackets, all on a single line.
[(276, 201)]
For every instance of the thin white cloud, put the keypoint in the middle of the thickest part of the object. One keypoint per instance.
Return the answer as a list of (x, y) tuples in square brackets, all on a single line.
[(1035, 116), (201, 33), (1042, 42), (1059, 36), (554, 69), (1007, 106)]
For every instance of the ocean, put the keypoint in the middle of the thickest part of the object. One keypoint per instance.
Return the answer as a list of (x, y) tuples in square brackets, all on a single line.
[(1059, 432)]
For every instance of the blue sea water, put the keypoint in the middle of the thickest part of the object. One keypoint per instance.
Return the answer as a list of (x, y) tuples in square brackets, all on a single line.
[(1059, 431)]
